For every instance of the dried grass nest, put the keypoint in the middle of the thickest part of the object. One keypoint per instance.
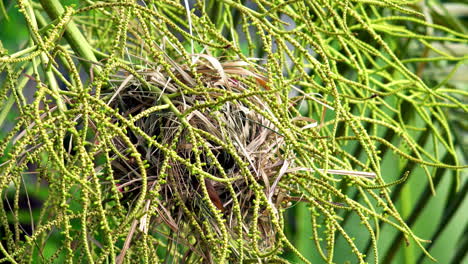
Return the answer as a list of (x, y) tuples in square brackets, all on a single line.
[(236, 141)]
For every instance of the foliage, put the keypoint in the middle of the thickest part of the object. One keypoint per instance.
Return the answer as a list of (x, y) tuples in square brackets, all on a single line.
[(170, 132)]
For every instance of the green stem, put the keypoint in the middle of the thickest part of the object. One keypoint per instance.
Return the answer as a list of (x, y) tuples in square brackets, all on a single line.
[(406, 207), (73, 35), (45, 61)]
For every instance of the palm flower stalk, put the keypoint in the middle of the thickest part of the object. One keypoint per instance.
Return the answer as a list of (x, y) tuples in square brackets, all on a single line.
[(184, 132)]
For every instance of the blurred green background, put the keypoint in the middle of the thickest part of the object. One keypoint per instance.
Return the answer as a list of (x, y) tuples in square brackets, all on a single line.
[(442, 218)]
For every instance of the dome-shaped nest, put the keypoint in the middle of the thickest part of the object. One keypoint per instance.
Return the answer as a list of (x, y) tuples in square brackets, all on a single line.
[(218, 171)]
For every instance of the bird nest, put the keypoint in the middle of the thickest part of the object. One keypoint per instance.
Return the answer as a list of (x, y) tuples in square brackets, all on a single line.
[(215, 158)]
